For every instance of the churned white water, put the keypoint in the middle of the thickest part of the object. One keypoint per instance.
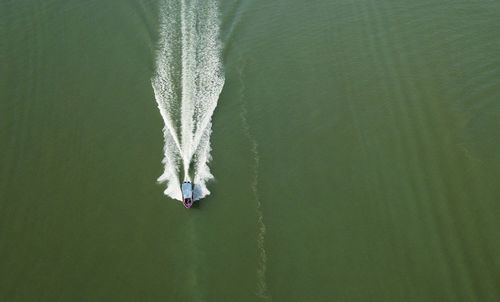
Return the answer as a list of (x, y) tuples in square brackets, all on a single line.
[(187, 83)]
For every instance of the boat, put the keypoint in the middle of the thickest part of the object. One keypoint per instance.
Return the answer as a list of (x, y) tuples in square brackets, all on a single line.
[(187, 194)]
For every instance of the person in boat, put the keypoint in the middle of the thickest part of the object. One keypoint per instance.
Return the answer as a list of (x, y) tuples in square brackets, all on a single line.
[(187, 193)]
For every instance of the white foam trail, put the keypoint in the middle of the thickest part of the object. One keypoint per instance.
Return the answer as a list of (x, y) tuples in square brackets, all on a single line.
[(187, 84)]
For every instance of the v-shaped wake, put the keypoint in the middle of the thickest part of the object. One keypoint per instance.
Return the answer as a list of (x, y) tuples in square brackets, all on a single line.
[(187, 83)]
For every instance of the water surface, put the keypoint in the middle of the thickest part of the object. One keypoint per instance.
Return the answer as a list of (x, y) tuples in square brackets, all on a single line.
[(354, 144)]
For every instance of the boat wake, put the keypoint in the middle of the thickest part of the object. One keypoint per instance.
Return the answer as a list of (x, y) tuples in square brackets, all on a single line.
[(262, 291), (187, 83)]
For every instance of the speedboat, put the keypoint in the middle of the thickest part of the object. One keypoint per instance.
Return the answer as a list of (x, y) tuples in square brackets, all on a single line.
[(187, 194)]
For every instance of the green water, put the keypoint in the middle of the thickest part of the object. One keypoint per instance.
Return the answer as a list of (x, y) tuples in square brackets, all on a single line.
[(355, 152)]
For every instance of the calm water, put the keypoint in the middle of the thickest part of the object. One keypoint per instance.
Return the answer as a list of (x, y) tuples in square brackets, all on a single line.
[(355, 152)]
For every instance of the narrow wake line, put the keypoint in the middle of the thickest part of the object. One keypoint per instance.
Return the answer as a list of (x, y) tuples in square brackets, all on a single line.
[(194, 273), (262, 265)]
